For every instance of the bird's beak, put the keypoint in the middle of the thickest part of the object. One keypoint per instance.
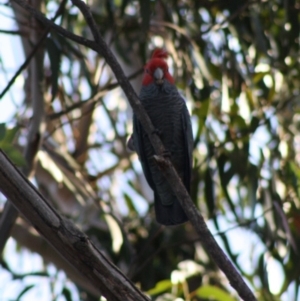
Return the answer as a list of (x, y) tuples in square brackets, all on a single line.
[(159, 76)]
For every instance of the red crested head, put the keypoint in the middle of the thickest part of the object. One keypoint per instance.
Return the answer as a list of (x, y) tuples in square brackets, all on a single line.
[(160, 54), (156, 70)]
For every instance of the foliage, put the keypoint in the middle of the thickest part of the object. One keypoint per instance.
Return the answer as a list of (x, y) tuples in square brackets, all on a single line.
[(237, 64)]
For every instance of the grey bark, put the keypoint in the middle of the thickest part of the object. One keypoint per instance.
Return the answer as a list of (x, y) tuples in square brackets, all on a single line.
[(73, 245)]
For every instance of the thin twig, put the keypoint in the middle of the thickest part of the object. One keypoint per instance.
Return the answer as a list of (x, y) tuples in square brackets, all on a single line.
[(94, 99), (25, 64), (32, 53), (231, 17), (10, 32)]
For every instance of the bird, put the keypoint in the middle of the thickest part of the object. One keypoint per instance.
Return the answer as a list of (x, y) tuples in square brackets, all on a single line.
[(170, 117)]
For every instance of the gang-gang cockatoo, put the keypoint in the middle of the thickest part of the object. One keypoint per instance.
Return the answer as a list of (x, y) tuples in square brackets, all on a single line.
[(169, 115)]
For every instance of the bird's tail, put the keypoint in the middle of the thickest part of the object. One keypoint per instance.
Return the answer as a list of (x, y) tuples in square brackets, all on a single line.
[(170, 215)]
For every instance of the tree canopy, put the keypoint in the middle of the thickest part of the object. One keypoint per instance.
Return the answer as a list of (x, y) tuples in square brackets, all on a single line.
[(236, 63)]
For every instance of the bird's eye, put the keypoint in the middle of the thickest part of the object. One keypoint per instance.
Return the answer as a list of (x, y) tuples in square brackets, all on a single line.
[(147, 71)]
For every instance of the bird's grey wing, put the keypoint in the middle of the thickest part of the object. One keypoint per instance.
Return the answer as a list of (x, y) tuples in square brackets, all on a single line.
[(140, 140), (188, 146)]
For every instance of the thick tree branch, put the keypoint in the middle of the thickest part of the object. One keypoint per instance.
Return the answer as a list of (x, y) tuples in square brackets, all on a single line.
[(63, 235), (28, 238), (195, 217)]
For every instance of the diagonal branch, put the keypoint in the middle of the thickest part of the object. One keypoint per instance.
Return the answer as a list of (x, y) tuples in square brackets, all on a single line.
[(69, 241), (168, 170), (10, 32), (60, 30)]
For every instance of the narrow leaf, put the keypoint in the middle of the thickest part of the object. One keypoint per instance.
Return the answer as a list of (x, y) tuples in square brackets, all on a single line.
[(214, 293), (54, 53), (24, 291), (2, 130), (160, 287)]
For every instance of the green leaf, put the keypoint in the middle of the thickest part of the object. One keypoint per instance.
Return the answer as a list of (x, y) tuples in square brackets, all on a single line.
[(2, 130), (9, 135), (67, 294), (129, 203), (13, 153), (24, 291), (22, 276), (214, 293), (200, 62), (54, 53), (252, 187), (209, 192), (259, 76), (238, 123), (115, 232), (6, 144), (202, 112), (295, 169), (160, 287), (254, 124)]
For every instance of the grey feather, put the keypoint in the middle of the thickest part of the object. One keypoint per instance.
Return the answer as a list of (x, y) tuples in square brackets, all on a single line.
[(169, 115)]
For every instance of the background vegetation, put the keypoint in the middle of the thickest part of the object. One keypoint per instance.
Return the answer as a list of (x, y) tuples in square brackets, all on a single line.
[(237, 64)]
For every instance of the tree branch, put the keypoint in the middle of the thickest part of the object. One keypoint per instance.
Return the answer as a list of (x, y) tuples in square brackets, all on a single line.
[(60, 30), (94, 99), (166, 167), (26, 236), (71, 243), (12, 32)]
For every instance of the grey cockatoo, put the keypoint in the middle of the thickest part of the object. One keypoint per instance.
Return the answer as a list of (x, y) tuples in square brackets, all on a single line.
[(169, 115)]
